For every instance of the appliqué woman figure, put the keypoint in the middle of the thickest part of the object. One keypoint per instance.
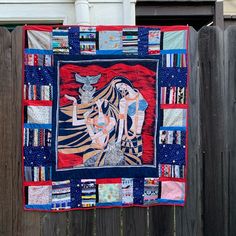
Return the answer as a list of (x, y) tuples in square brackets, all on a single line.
[(108, 126)]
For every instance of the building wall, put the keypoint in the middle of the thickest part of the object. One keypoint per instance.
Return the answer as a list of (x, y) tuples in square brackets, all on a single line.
[(94, 12), (230, 7)]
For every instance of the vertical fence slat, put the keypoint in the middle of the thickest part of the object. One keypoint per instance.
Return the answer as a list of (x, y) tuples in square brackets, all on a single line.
[(81, 223), (24, 223), (189, 218), (135, 221), (6, 133), (230, 69), (161, 221), (108, 222), (212, 128), (54, 224)]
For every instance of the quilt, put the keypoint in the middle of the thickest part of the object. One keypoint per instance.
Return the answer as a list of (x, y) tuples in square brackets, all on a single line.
[(104, 116)]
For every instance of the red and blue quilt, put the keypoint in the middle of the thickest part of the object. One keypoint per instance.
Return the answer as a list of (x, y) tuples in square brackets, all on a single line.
[(104, 116)]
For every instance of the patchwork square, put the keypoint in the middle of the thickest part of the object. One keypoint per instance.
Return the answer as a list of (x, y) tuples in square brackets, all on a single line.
[(61, 197), (88, 193), (39, 39), (87, 38), (38, 92), (35, 58), (130, 41), (173, 95), (108, 193), (105, 116), (172, 137), (154, 39), (127, 191), (110, 40), (39, 114), (39, 195), (60, 42), (151, 189), (174, 117), (171, 190), (172, 154), (174, 40)]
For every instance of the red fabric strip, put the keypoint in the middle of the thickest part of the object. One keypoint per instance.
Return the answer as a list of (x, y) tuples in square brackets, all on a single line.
[(109, 28), (172, 179), (37, 103), (38, 183), (38, 28), (108, 181), (174, 106)]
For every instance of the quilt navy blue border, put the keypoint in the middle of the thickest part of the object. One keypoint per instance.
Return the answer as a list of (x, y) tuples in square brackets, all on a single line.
[(111, 172)]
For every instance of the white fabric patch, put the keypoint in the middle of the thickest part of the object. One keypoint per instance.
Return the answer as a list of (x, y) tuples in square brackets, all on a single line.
[(39, 195), (127, 191), (174, 117), (39, 114), (39, 39)]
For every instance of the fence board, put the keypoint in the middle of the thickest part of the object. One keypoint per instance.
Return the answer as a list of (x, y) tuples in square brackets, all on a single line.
[(230, 67), (189, 218), (161, 221), (6, 133), (24, 223), (54, 224), (81, 223), (135, 221), (108, 222), (212, 127)]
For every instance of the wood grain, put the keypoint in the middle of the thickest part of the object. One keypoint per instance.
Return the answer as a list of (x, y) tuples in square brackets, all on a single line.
[(189, 218), (230, 173), (81, 223), (24, 223), (212, 121), (135, 221), (162, 221), (6, 133), (108, 222)]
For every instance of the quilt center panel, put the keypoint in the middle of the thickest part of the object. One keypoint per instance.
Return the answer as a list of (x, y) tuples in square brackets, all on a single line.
[(105, 114)]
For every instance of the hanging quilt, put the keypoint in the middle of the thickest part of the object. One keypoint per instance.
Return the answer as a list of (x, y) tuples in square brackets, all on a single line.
[(105, 116)]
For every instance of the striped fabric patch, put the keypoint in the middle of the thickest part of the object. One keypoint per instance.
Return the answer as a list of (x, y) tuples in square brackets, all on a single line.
[(171, 171), (154, 39), (60, 43), (88, 192), (61, 195), (38, 92), (87, 38), (38, 173), (151, 188), (174, 60), (172, 137), (173, 95), (38, 60), (37, 137), (130, 41)]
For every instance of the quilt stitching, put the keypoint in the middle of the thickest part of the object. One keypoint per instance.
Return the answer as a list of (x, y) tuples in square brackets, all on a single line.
[(105, 116)]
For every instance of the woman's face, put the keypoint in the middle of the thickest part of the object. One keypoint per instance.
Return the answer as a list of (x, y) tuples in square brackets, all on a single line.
[(123, 88)]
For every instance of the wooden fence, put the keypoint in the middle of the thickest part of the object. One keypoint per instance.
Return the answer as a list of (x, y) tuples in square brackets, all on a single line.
[(211, 193)]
